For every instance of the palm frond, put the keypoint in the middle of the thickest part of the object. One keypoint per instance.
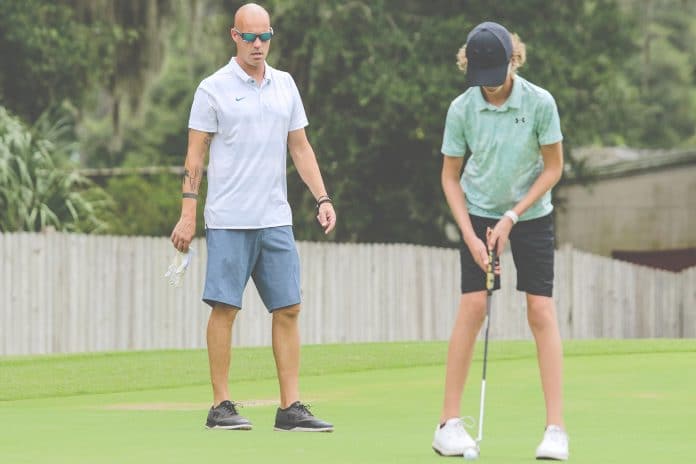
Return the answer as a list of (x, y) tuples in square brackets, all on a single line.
[(35, 192)]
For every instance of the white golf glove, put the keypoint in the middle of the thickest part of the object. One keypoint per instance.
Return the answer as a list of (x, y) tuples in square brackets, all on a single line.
[(177, 269)]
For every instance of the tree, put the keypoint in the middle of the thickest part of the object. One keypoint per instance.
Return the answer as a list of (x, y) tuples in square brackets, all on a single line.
[(48, 57), (143, 121), (149, 205), (377, 78), (664, 70), (139, 31)]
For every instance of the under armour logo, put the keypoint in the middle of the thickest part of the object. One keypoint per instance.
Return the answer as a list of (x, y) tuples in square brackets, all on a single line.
[(520, 120)]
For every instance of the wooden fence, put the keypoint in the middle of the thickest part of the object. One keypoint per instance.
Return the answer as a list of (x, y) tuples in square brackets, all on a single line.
[(64, 293)]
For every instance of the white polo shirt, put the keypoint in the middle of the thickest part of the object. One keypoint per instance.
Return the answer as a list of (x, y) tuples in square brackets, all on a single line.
[(247, 184)]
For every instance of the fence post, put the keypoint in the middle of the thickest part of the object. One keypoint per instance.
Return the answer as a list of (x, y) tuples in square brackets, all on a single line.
[(688, 302)]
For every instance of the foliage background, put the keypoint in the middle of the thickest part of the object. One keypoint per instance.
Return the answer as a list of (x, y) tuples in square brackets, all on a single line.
[(376, 79)]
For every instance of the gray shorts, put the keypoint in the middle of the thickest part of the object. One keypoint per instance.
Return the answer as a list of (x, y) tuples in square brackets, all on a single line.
[(269, 256)]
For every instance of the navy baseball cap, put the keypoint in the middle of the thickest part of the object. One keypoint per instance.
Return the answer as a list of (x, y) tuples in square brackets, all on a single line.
[(488, 52)]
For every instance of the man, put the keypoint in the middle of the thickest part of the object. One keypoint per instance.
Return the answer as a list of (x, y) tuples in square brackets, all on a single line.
[(248, 115), (510, 131)]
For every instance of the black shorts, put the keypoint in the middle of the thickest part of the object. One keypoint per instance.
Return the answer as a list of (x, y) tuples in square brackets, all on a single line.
[(532, 244)]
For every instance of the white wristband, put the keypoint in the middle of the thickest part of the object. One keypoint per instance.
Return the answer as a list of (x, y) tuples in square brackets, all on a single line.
[(512, 215)]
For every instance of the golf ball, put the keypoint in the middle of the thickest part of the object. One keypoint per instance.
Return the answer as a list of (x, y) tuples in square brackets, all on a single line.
[(471, 454)]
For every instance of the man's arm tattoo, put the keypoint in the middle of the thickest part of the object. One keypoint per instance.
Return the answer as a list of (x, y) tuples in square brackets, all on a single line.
[(193, 178)]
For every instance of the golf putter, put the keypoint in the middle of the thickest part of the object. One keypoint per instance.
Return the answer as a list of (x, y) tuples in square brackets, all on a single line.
[(490, 282)]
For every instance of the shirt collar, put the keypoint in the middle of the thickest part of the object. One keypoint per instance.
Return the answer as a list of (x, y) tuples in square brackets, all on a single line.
[(247, 78), (513, 101)]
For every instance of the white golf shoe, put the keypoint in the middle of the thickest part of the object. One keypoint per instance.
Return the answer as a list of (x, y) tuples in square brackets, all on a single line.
[(554, 445), (451, 439)]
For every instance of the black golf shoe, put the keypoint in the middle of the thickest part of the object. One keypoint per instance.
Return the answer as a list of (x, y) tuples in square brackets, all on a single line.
[(297, 418), (225, 416)]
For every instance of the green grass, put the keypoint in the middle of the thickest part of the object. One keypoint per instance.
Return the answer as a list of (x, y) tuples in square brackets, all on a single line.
[(626, 402)]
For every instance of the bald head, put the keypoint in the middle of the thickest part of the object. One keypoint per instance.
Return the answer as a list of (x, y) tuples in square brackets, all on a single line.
[(251, 15), (250, 21)]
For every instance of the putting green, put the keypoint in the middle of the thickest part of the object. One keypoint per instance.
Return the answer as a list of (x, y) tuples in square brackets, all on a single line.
[(626, 402)]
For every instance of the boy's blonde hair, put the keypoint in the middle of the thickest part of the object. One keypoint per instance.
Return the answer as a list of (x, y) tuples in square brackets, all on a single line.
[(519, 54)]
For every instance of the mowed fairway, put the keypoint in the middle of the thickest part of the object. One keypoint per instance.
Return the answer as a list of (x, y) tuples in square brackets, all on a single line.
[(626, 402)]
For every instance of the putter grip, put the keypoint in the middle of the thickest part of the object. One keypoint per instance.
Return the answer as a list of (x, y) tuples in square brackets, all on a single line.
[(490, 271)]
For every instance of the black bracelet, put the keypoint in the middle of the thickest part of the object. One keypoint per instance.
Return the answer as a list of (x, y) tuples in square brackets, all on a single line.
[(323, 199), (193, 196)]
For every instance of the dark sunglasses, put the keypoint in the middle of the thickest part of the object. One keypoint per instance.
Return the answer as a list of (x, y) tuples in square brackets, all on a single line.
[(250, 37)]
